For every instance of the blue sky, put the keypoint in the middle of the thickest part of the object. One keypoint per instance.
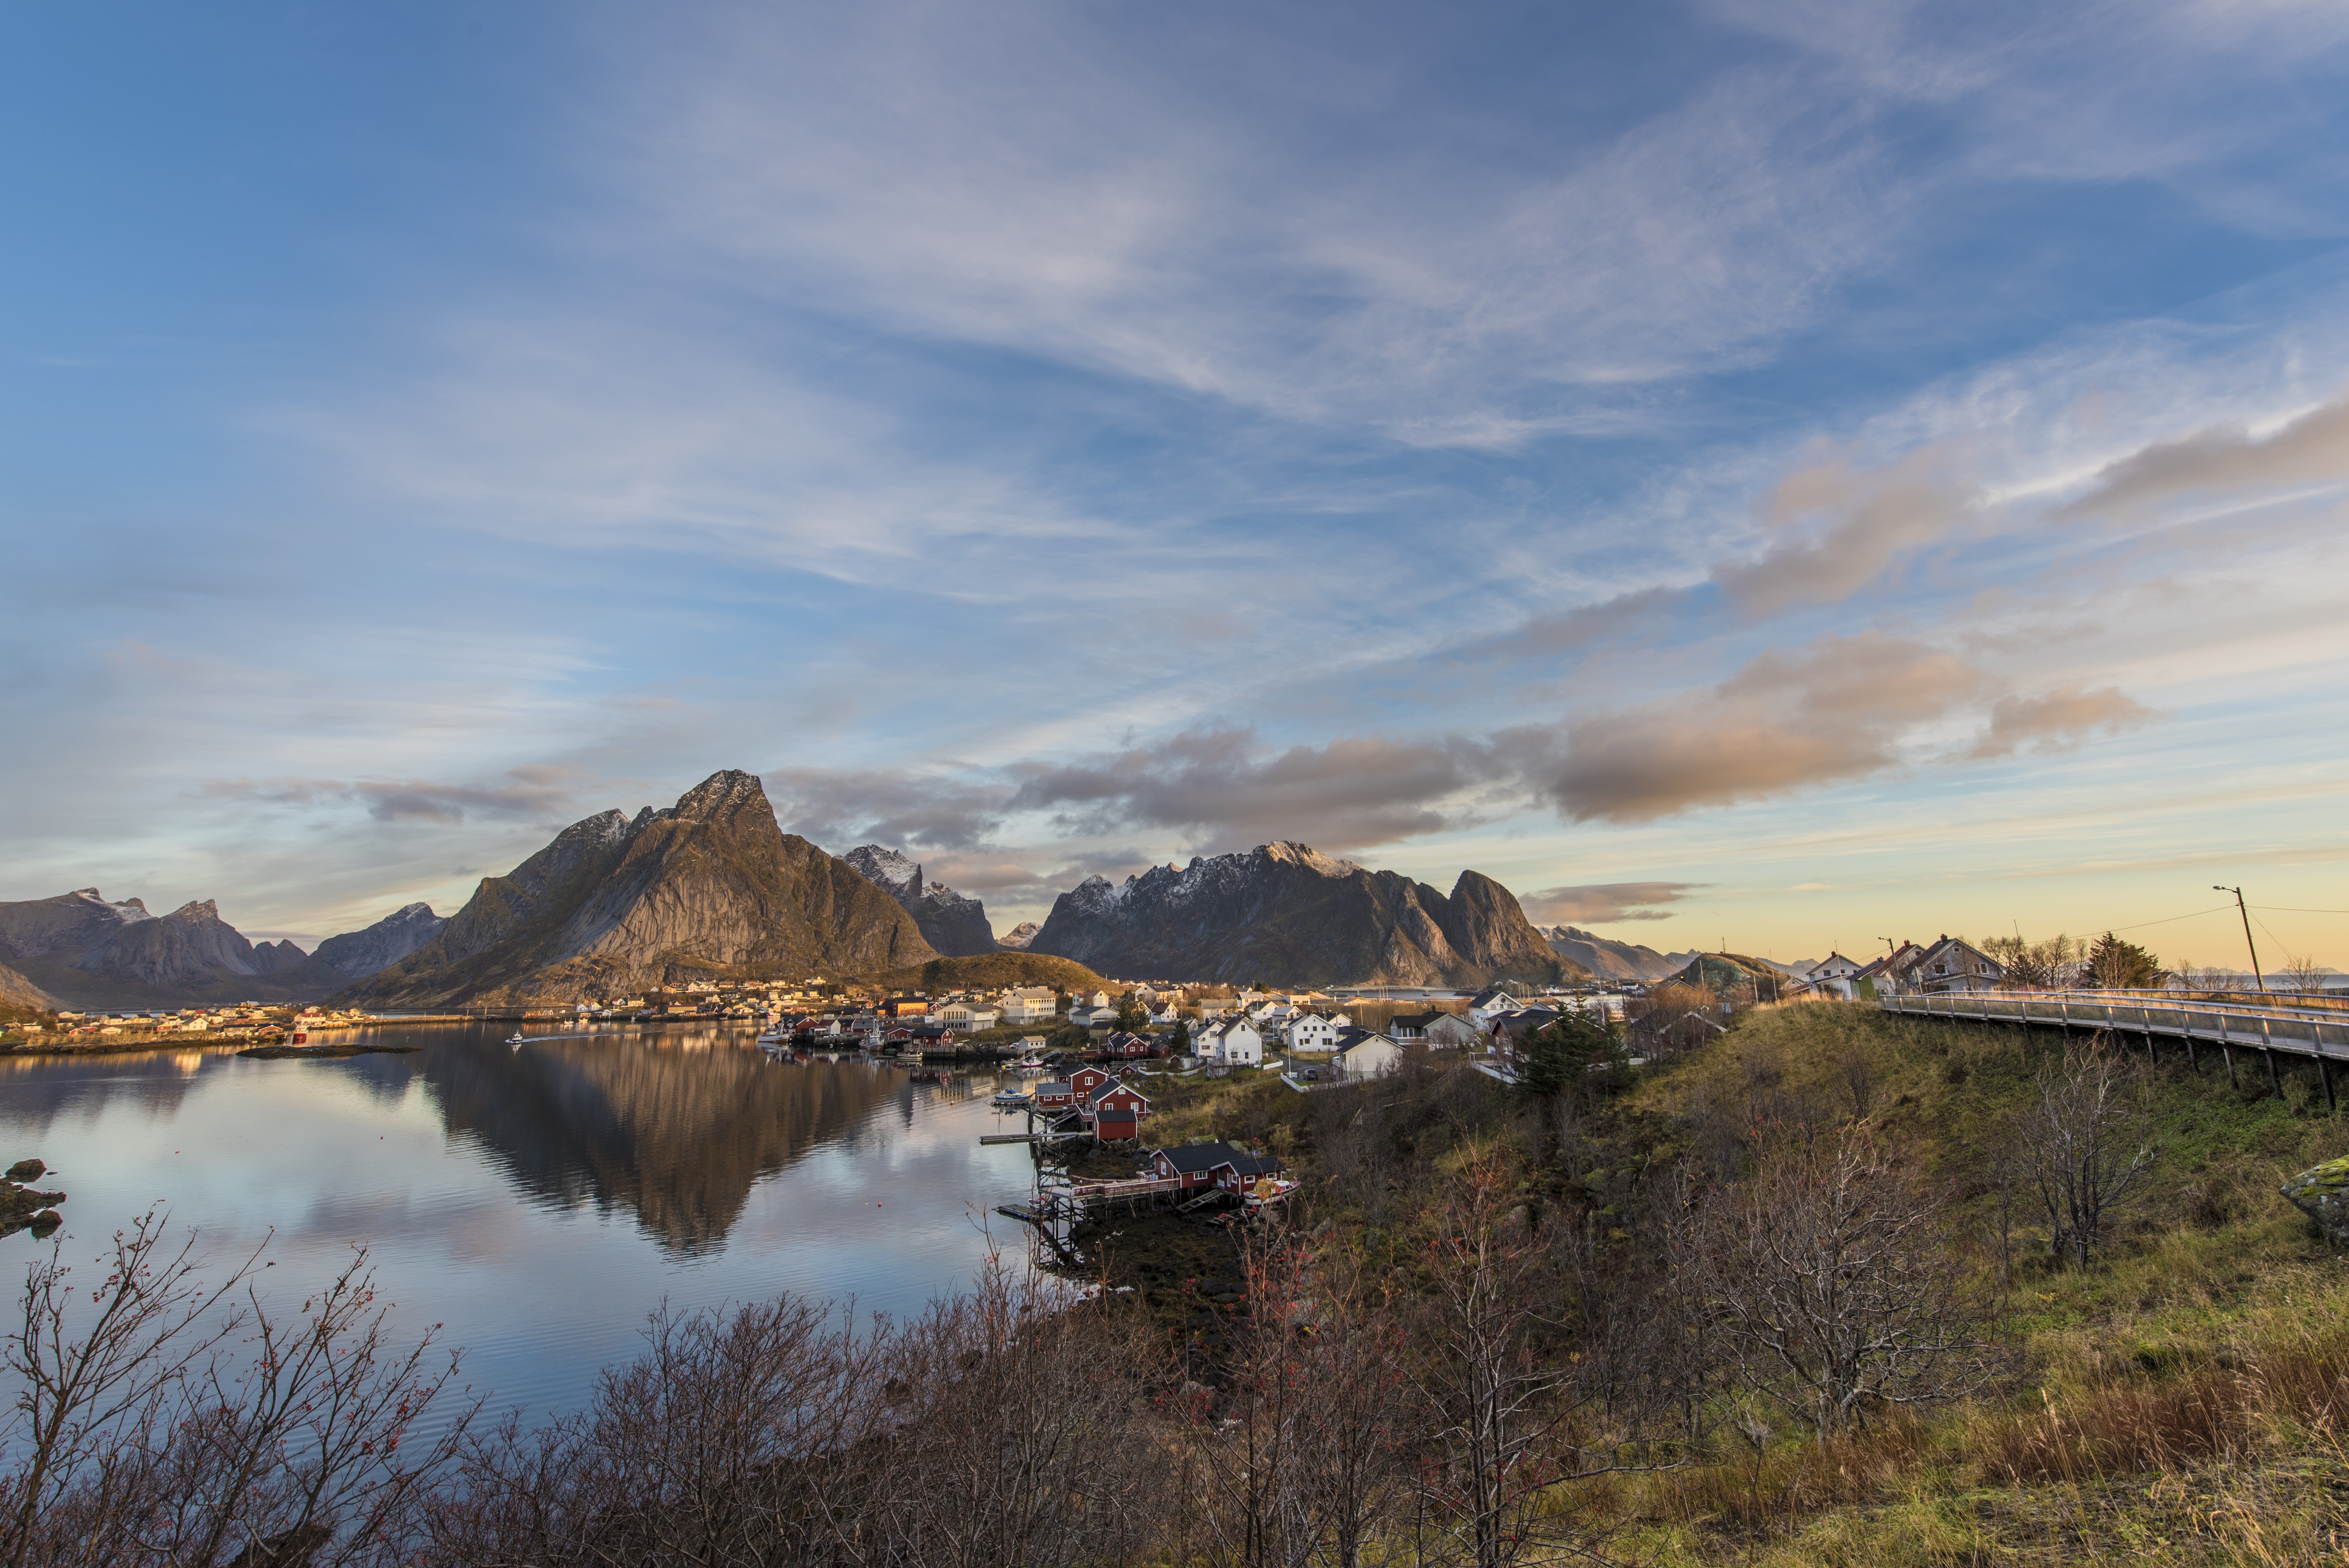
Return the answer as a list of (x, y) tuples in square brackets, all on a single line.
[(1775, 474)]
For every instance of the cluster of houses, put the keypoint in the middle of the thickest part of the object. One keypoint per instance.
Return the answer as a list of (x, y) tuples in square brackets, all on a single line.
[(1946, 963)]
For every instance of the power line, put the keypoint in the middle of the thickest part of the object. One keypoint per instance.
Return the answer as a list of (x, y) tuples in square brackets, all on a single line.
[(2287, 909), (2165, 920)]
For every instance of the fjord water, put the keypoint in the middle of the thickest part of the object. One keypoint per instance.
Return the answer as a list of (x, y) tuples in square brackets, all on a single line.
[(537, 1201)]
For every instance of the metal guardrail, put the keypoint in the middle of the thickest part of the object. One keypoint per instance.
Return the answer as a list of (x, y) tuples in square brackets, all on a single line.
[(2323, 1037)]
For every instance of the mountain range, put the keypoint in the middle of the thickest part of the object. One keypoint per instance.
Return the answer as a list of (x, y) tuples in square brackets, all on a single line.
[(1284, 912), (1611, 960), (712, 886), (954, 924), (77, 950), (709, 885)]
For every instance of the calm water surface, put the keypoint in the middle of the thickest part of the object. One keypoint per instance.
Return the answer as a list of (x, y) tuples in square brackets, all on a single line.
[(540, 1200)]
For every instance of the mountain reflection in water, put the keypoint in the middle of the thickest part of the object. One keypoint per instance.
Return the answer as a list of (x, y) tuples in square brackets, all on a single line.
[(537, 1202), (673, 1129)]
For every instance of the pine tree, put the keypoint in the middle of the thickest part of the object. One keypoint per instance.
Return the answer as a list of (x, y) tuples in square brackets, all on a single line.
[(1558, 1058)]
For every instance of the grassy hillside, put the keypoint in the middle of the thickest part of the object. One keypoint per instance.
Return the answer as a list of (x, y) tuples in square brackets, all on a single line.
[(990, 970), (2175, 1403), (2182, 1400)]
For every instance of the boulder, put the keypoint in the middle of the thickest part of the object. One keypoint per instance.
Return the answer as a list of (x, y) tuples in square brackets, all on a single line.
[(2322, 1193), (26, 1171)]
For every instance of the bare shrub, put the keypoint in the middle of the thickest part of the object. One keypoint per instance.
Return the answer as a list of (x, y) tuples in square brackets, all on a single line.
[(2301, 972), (191, 1428), (1507, 1421), (1829, 1281), (2086, 1140), (1015, 1432), (998, 1427), (1854, 1066)]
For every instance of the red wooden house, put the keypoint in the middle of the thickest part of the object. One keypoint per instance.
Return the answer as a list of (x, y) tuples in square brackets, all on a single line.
[(1058, 1096), (1193, 1164), (1236, 1176), (1086, 1081), (1116, 1112)]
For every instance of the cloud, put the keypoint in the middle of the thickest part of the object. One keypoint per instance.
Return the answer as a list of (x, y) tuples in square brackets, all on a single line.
[(1618, 619), (1234, 791), (900, 808), (2310, 449), (1837, 709), (1081, 187), (1601, 903), (2058, 721), (538, 793), (1862, 521)]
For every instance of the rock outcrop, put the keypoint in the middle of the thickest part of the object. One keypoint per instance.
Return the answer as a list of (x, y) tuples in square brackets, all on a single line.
[(954, 924), (1017, 938), (84, 951), (360, 954), (615, 903), (1607, 959), (2322, 1193), (1286, 912)]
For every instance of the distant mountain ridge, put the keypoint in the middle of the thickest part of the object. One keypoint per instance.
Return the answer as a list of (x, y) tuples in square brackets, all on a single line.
[(79, 951), (1017, 938), (615, 903), (1609, 959), (953, 923), (1284, 912), (360, 954)]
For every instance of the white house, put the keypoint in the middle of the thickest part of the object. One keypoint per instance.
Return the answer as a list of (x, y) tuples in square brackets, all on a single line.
[(1032, 1005), (1235, 1042), (1831, 975), (1366, 1055), (968, 1017), (1312, 1032), (1489, 1004)]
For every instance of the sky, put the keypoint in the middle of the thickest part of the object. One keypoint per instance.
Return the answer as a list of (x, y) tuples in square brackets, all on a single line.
[(1776, 475)]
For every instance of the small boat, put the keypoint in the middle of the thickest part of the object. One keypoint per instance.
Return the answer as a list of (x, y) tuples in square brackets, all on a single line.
[(1264, 1192), (515, 1040), (1011, 1100)]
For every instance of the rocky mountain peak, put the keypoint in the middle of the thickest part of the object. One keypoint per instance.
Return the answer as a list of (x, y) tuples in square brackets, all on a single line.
[(617, 903), (1284, 911), (721, 796), (1291, 852), (193, 913), (358, 953), (954, 924), (898, 873)]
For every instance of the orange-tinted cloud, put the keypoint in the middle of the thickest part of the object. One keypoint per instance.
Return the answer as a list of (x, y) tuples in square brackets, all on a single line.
[(2310, 449), (1837, 709), (2060, 719), (1859, 522)]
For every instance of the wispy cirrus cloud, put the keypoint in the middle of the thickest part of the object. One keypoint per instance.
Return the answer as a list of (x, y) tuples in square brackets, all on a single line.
[(536, 792)]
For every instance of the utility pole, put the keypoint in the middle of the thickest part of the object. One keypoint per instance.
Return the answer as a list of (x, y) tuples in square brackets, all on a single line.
[(2242, 910)]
